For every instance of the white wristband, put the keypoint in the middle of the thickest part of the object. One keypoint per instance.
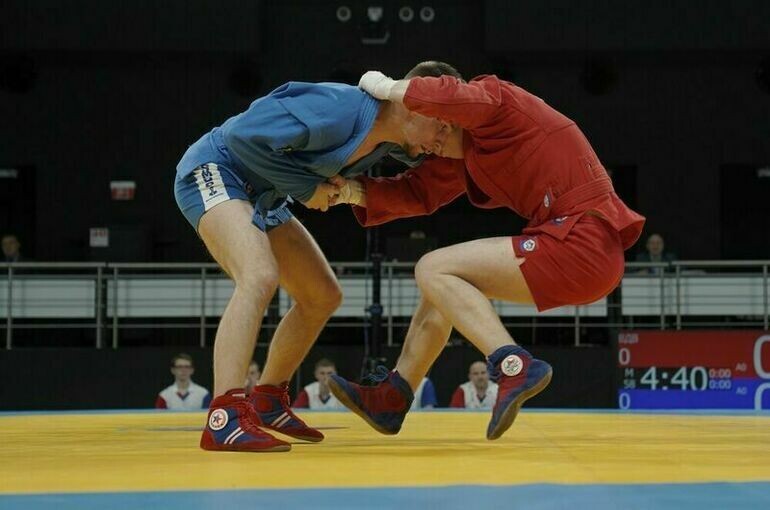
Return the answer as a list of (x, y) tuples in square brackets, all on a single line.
[(377, 84)]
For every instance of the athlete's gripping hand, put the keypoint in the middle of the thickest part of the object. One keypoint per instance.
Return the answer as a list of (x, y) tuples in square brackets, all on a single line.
[(324, 196), (377, 84), (351, 191)]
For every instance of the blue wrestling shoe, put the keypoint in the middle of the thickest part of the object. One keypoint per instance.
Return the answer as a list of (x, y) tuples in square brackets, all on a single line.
[(384, 406), (520, 377)]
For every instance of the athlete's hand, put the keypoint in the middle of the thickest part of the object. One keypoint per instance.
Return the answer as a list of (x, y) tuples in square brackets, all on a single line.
[(351, 191), (323, 197), (377, 84)]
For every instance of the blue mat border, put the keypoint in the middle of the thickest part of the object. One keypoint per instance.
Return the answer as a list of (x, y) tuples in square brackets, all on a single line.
[(685, 496)]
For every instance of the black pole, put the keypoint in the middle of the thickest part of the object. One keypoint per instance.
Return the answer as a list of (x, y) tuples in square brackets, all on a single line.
[(615, 319), (373, 348), (375, 309)]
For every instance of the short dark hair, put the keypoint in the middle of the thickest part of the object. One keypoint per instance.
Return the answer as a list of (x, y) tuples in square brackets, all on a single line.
[(324, 362), (433, 68), (184, 356)]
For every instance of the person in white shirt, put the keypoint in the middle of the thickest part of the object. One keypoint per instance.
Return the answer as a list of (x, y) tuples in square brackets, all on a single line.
[(184, 394), (317, 395), (479, 392)]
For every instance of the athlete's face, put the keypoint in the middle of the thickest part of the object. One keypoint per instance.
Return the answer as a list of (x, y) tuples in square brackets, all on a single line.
[(425, 135)]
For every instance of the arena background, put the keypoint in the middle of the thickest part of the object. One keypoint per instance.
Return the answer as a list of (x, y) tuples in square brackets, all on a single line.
[(673, 95)]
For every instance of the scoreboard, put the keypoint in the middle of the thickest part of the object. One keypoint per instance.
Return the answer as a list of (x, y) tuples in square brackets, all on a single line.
[(694, 370)]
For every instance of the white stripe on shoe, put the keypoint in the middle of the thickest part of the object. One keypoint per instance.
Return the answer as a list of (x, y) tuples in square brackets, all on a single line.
[(275, 422), (239, 434), (283, 422), (232, 435)]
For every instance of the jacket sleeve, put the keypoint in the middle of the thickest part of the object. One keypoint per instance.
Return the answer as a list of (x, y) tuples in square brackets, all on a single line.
[(416, 192), (458, 398), (302, 400), (428, 395), (468, 105)]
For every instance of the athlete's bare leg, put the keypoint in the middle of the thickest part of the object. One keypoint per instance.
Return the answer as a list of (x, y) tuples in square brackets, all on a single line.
[(243, 251), (460, 280), (307, 277), (427, 335)]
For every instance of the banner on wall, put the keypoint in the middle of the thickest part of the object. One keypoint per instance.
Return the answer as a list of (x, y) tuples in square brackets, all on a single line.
[(694, 370)]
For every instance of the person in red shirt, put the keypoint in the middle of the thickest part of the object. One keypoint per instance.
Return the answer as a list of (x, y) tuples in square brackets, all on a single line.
[(501, 147)]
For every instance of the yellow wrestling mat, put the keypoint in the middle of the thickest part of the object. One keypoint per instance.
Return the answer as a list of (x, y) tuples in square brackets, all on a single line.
[(157, 451)]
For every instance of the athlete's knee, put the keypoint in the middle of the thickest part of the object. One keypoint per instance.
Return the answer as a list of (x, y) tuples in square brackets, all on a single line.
[(321, 298), (332, 297), (427, 270), (257, 282)]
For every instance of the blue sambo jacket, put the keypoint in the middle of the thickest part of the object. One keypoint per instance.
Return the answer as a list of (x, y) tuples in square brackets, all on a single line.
[(297, 136)]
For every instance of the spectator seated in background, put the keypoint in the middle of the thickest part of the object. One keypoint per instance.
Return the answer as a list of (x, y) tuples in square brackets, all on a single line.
[(253, 375), (317, 395), (655, 252), (479, 392), (11, 249), (184, 394), (424, 396)]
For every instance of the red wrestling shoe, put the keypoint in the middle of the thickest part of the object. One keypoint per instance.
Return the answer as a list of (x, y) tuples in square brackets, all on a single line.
[(233, 426), (272, 406)]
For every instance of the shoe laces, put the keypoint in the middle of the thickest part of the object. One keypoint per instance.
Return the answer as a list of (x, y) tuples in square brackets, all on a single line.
[(380, 373), (285, 400)]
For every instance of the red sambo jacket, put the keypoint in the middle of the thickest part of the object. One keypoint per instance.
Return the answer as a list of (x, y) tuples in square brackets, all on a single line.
[(519, 153)]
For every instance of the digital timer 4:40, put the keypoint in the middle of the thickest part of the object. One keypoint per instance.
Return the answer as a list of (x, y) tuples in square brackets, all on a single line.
[(682, 378)]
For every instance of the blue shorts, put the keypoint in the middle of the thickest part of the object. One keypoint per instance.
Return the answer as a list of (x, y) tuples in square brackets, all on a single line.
[(213, 183)]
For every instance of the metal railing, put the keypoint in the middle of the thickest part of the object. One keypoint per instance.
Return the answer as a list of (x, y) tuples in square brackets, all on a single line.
[(110, 297)]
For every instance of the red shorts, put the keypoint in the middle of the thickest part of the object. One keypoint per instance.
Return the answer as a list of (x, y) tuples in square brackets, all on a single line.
[(570, 261)]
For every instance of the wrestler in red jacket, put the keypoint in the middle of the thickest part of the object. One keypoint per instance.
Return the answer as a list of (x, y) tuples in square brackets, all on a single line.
[(503, 147)]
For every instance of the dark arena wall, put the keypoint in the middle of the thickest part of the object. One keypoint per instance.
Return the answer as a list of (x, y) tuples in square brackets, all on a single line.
[(130, 378), (130, 104)]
